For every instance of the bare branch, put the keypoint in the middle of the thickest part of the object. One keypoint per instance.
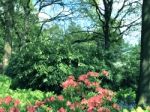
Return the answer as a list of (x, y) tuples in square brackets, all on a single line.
[(97, 33), (131, 23), (128, 27), (45, 4), (98, 11), (124, 5), (118, 13)]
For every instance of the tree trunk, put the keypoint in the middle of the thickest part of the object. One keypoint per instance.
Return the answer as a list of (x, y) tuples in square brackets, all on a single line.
[(7, 55), (143, 92), (106, 26), (8, 29)]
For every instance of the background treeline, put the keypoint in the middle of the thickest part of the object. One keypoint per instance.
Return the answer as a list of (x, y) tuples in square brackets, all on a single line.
[(42, 53)]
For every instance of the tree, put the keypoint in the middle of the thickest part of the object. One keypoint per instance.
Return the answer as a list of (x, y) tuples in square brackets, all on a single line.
[(7, 23), (58, 11), (109, 19), (105, 32), (143, 96), (108, 23), (19, 24)]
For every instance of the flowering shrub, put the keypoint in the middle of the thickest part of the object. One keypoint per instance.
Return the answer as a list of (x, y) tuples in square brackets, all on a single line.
[(87, 93), (8, 104), (83, 94)]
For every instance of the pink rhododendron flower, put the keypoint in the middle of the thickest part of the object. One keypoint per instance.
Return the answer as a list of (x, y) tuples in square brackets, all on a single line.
[(61, 110), (87, 82), (108, 94), (95, 101), (69, 83), (74, 105), (8, 99), (2, 109), (102, 91), (31, 109), (105, 73), (60, 98), (90, 109), (96, 84), (68, 103), (84, 101), (93, 74), (71, 77), (14, 109), (83, 77), (16, 103), (51, 99), (39, 103)]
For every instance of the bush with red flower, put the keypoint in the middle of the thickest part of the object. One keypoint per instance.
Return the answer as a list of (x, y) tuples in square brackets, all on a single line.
[(82, 94), (8, 104)]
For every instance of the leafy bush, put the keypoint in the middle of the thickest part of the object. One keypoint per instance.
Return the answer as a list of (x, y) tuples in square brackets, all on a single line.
[(40, 65), (25, 96), (125, 70), (126, 98), (5, 83), (8, 104)]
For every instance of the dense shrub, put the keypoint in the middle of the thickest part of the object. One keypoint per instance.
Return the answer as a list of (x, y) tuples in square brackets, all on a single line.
[(126, 98), (26, 96), (40, 65), (83, 94), (125, 70)]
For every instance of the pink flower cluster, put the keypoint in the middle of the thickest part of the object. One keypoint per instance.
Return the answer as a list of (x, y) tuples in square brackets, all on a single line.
[(95, 102), (8, 100), (85, 79), (69, 82)]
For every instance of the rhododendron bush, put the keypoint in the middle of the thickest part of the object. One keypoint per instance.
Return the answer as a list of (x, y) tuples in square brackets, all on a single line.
[(8, 104), (83, 94)]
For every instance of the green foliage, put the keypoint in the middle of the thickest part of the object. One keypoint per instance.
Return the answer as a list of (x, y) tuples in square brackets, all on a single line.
[(122, 60), (46, 61), (126, 69), (5, 83), (126, 96), (25, 96), (42, 63)]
